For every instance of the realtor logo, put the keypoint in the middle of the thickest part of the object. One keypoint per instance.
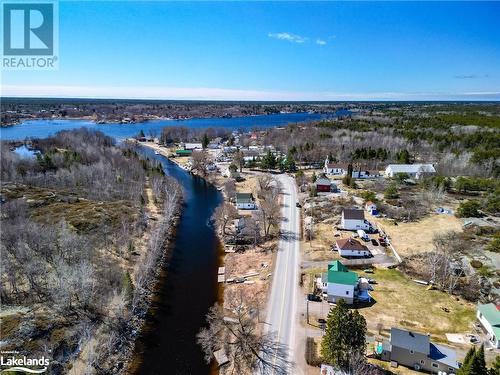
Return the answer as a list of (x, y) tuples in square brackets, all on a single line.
[(29, 35)]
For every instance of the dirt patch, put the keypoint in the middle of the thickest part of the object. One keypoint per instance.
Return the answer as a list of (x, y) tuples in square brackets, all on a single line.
[(417, 237)]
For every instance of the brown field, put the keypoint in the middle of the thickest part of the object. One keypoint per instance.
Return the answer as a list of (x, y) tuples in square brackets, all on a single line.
[(417, 237)]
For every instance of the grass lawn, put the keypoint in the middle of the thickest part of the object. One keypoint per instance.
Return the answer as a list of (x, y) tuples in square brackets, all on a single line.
[(403, 303)]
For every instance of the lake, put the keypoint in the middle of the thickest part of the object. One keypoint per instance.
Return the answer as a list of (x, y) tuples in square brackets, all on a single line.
[(45, 128)]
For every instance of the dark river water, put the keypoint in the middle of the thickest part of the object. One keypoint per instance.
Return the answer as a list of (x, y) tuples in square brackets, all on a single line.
[(188, 284)]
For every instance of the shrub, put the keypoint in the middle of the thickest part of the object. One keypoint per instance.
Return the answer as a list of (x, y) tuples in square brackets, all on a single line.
[(476, 264), (469, 208), (391, 192)]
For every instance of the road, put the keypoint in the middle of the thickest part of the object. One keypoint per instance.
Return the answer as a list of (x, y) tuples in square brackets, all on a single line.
[(282, 305)]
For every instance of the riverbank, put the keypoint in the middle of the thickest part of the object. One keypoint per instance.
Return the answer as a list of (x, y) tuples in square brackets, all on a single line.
[(187, 284)]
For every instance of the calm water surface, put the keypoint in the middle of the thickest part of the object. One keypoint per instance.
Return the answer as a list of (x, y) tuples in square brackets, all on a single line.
[(188, 285), (45, 128)]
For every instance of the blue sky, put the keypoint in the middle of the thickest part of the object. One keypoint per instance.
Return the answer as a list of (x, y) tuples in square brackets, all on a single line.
[(272, 51)]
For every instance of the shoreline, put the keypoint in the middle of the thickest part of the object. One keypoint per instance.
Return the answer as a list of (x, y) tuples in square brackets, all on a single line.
[(140, 120), (134, 360)]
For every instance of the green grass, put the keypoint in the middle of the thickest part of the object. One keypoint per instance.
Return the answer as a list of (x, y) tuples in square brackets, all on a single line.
[(402, 302)]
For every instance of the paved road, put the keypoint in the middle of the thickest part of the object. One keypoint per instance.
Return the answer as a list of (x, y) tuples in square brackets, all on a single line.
[(282, 304)]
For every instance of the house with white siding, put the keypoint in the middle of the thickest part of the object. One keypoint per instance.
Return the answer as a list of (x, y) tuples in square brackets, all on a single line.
[(245, 201), (489, 316), (354, 219), (341, 283), (349, 247), (415, 171)]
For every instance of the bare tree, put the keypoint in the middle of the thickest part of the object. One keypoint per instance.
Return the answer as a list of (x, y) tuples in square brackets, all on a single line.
[(200, 162), (240, 337), (230, 188), (225, 213)]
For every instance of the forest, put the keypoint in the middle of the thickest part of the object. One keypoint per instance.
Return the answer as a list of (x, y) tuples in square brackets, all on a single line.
[(80, 248)]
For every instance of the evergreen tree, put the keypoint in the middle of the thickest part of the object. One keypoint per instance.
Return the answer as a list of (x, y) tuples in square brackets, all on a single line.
[(464, 370), (344, 337), (495, 369), (478, 364), (205, 141)]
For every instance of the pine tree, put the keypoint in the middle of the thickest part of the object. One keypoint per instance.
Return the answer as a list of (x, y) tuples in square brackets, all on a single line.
[(495, 368), (344, 337), (205, 141), (478, 364), (464, 370)]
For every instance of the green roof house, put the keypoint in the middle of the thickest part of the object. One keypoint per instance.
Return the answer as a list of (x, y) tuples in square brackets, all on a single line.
[(245, 201), (183, 152), (342, 283), (489, 317)]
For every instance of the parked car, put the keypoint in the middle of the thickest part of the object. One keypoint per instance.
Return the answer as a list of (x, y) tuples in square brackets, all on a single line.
[(374, 242), (313, 298), (382, 241), (368, 270)]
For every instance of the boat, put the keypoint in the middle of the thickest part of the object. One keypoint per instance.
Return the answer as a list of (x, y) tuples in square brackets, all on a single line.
[(157, 153)]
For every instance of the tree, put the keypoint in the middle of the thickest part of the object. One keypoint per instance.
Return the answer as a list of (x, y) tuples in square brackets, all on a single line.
[(368, 195), (205, 141), (348, 180), (230, 188), (495, 368), (478, 363), (269, 161), (239, 159), (401, 177), (241, 339), (300, 178), (289, 163), (403, 157), (141, 134), (469, 208), (344, 337), (464, 370), (391, 192), (200, 162), (225, 213), (314, 177)]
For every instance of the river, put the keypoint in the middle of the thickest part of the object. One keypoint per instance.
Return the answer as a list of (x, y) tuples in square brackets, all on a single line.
[(187, 286), (45, 128), (188, 282)]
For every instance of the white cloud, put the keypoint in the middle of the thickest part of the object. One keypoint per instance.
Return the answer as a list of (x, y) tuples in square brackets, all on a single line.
[(321, 42), (208, 93), (288, 37)]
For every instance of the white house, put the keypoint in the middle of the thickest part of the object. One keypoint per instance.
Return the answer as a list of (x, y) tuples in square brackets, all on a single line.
[(193, 146), (333, 169), (349, 247), (364, 173), (415, 171), (245, 201), (353, 219), (489, 317), (342, 283), (371, 207)]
